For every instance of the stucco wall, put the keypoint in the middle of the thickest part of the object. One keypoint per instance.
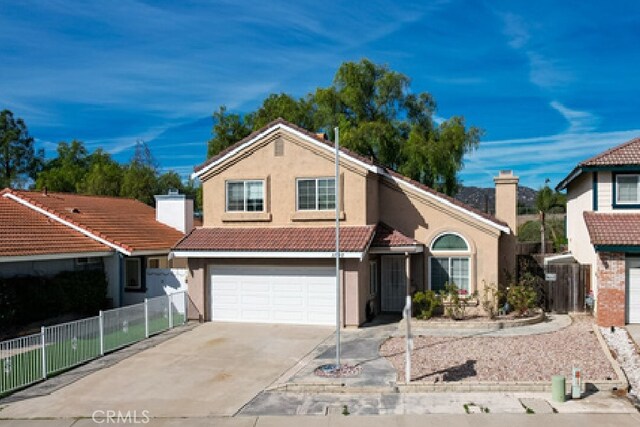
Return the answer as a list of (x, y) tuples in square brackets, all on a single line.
[(300, 160), (579, 200), (424, 219)]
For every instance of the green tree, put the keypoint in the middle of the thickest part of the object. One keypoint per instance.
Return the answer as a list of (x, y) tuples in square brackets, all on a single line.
[(104, 176), (66, 172), (227, 129), (548, 200), (19, 161), (140, 178), (169, 181), (378, 117), (299, 112)]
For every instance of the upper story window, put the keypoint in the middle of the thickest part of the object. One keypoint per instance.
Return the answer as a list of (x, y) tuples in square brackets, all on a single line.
[(628, 189), (316, 194), (245, 196)]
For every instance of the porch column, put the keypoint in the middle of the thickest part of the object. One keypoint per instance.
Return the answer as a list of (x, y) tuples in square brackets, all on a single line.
[(407, 267)]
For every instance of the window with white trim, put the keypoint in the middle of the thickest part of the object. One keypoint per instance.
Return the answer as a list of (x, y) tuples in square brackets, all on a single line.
[(132, 273), (316, 194), (627, 189), (245, 196), (447, 268), (373, 278)]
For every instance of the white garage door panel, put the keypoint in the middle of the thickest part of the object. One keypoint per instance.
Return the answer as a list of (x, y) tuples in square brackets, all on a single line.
[(295, 295), (633, 299)]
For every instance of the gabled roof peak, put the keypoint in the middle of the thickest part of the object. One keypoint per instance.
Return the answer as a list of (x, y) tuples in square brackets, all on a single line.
[(363, 161)]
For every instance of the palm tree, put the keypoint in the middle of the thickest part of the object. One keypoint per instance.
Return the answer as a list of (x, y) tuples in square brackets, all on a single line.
[(546, 201)]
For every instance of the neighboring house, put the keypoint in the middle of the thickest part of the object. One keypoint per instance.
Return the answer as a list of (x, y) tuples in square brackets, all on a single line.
[(45, 233), (603, 229), (266, 250)]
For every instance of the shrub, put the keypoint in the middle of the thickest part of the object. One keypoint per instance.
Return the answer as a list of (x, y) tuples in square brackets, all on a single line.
[(28, 299), (455, 301), (426, 303), (490, 299), (522, 298)]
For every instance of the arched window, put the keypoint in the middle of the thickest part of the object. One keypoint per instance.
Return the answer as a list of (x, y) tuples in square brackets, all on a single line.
[(450, 262), (449, 242)]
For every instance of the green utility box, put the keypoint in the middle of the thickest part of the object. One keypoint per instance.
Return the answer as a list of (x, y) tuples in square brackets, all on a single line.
[(558, 390)]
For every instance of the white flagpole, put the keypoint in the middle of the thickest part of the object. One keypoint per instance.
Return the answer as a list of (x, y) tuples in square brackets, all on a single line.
[(337, 202)]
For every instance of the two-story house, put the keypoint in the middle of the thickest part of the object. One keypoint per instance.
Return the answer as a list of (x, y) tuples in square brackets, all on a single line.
[(603, 229), (266, 250)]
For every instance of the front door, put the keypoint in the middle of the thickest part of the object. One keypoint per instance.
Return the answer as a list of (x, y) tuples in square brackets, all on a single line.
[(633, 290), (394, 283)]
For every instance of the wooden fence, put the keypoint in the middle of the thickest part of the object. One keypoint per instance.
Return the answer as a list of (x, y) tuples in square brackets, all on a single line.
[(561, 288)]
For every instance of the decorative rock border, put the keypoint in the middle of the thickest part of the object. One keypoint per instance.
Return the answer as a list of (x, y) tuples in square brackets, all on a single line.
[(491, 325)]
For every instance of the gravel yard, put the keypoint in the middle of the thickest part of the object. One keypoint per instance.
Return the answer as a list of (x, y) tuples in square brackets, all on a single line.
[(505, 359), (627, 356)]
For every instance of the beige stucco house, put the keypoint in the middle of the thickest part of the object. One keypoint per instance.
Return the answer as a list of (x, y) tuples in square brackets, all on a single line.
[(603, 229), (266, 250)]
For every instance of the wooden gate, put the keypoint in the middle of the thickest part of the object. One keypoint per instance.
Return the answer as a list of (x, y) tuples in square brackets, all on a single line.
[(566, 287)]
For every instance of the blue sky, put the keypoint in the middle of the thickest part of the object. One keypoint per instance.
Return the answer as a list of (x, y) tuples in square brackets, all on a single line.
[(550, 82)]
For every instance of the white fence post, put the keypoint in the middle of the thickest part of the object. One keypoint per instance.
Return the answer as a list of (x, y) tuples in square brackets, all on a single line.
[(146, 318), (170, 311), (101, 332), (44, 353), (406, 313), (186, 304)]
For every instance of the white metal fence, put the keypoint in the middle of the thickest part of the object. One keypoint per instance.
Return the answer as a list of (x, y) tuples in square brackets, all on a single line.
[(29, 359)]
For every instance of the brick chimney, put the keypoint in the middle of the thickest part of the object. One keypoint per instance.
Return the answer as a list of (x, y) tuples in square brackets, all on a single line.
[(507, 199), (175, 210)]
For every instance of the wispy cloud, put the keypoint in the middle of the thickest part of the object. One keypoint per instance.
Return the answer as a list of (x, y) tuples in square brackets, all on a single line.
[(551, 156), (579, 121), (544, 71)]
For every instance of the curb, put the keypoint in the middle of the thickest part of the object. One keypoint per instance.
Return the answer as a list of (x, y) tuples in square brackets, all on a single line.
[(488, 386), (622, 378), (471, 325)]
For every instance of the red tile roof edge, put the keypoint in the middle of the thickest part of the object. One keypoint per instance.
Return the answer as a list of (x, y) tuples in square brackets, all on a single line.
[(24, 196), (592, 161), (595, 220), (370, 229), (366, 160), (21, 195)]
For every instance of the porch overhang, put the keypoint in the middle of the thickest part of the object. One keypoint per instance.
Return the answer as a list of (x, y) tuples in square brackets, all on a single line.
[(411, 249)]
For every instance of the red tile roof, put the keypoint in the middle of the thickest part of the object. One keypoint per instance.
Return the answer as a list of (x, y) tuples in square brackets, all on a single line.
[(626, 154), (387, 237), (24, 232), (619, 229), (354, 155), (276, 239), (623, 154), (126, 223)]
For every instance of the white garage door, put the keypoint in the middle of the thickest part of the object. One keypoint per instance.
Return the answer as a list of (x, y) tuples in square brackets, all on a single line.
[(633, 296), (298, 295)]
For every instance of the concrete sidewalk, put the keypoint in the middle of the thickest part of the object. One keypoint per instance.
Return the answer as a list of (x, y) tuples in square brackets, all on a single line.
[(477, 420)]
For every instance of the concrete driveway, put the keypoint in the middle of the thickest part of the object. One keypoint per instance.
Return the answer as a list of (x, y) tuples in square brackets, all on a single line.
[(211, 370)]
